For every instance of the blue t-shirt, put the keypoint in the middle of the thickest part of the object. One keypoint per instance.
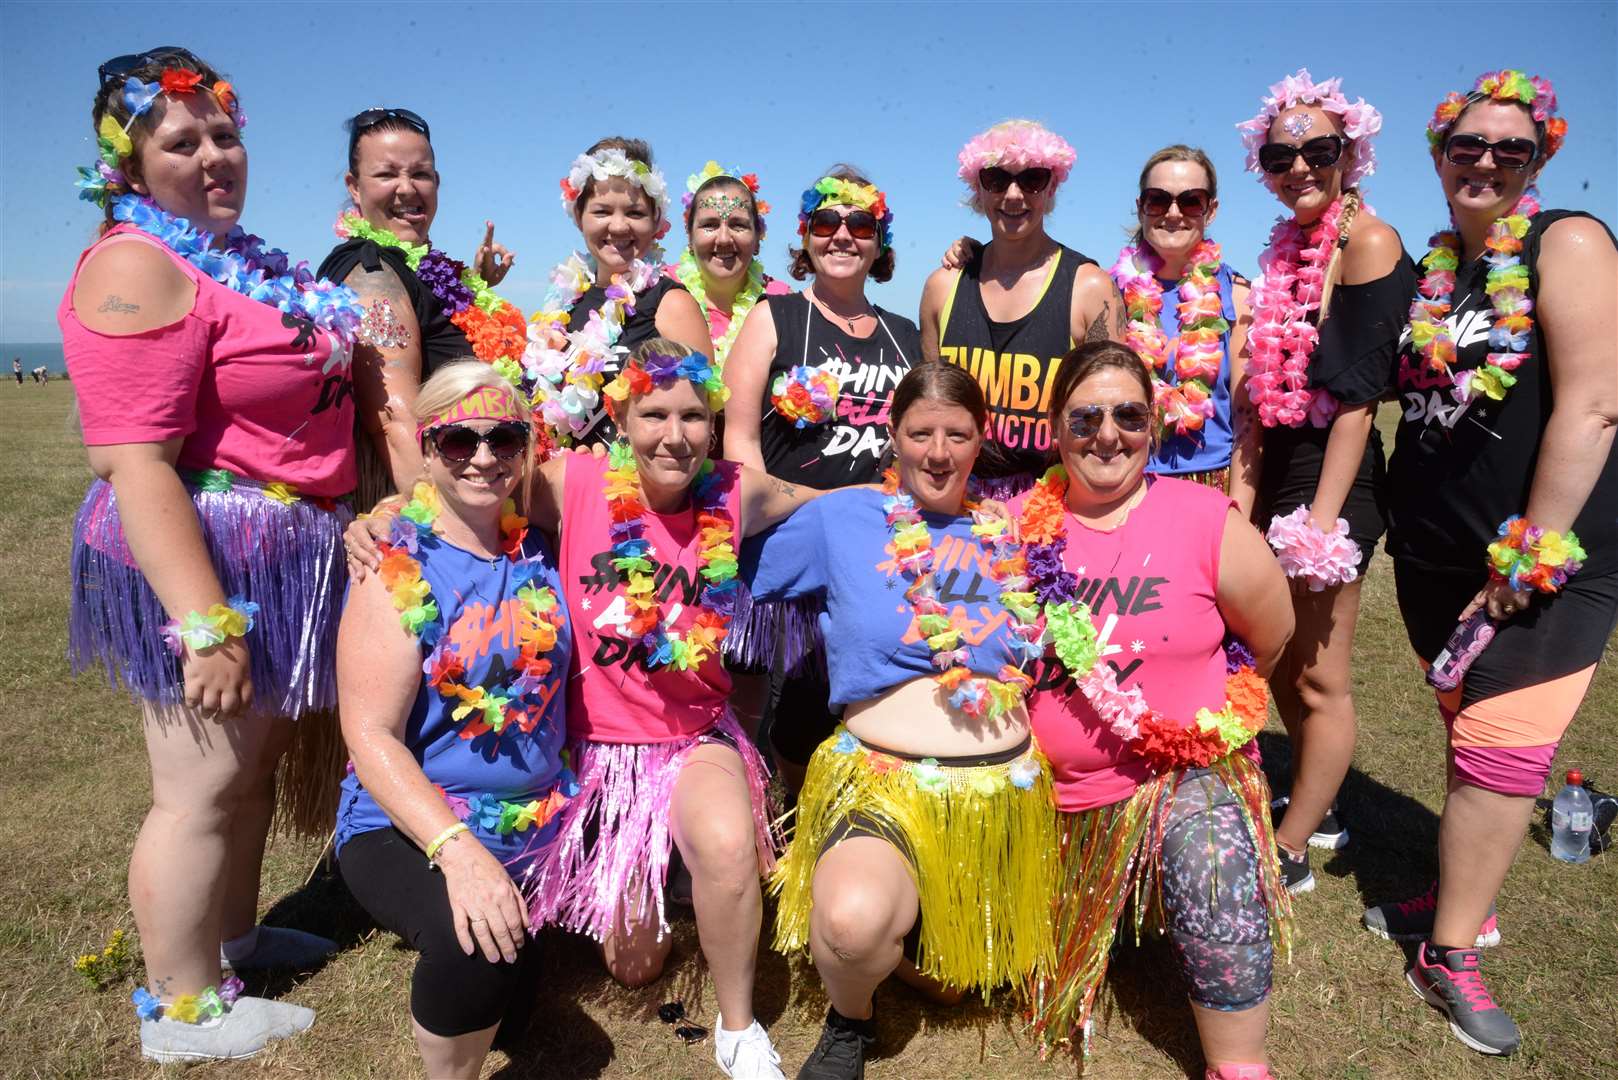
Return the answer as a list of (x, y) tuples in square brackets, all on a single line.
[(1208, 449), (838, 548), (490, 779)]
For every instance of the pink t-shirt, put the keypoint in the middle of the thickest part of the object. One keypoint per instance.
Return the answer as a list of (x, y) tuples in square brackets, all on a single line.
[(1151, 585), (611, 697), (248, 388)]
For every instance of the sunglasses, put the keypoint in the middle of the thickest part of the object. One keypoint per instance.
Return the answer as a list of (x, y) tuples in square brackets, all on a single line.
[(458, 443), (1319, 152), (1131, 416), (370, 118), (1031, 181), (1515, 153), (1193, 202), (120, 66), (673, 1012), (861, 224)]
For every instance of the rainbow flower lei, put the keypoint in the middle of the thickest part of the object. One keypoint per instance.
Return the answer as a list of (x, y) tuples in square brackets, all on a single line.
[(1165, 744), (805, 395), (716, 564), (1533, 558), (502, 817), (189, 1008), (113, 143), (912, 545), (1510, 86), (835, 191), (713, 171), (198, 631), (660, 369), (1197, 350), (1282, 338)]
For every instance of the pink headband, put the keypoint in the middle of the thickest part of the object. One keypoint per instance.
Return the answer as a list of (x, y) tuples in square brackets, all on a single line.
[(1016, 145), (484, 403)]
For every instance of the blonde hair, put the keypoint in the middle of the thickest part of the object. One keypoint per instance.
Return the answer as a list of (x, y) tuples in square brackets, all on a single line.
[(1195, 155), (454, 381), (1334, 267)]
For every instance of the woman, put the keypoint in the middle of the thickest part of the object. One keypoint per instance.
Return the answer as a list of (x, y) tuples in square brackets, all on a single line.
[(1148, 723), (1024, 295), (1503, 482), (604, 304), (205, 555), (811, 383), (457, 770), (424, 308), (924, 826), (1188, 315), (1326, 320)]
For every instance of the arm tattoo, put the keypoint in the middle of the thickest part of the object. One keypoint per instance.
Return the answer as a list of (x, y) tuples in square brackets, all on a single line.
[(1120, 326), (789, 490), (117, 305), (1097, 330)]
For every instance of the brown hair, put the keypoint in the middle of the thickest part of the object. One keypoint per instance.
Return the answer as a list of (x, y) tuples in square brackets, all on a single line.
[(727, 182), (1089, 358), (1177, 152), (387, 123), (634, 149), (935, 380), (802, 268)]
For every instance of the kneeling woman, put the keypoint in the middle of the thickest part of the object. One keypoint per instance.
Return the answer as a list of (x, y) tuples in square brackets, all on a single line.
[(1149, 723), (456, 770), (924, 826)]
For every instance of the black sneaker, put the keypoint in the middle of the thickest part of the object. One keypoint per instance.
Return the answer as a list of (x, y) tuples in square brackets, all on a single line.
[(840, 1053), (1450, 980), (1330, 834), (1295, 871)]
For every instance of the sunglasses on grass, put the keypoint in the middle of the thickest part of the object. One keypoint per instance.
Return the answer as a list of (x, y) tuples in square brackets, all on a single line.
[(1131, 416), (825, 222), (1030, 181), (1317, 153), (459, 443), (1514, 153), (1193, 202)]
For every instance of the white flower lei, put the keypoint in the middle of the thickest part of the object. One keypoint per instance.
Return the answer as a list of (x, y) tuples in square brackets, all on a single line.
[(611, 162)]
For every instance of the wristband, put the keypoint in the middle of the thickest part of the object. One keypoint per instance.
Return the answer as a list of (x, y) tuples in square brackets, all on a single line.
[(1533, 558), (1323, 559), (198, 631), (443, 838)]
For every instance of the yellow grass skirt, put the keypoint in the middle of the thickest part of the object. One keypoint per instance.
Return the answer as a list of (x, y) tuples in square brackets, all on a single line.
[(979, 841)]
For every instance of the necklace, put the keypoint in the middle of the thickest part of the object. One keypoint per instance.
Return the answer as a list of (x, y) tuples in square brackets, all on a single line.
[(690, 275), (825, 310), (1196, 353)]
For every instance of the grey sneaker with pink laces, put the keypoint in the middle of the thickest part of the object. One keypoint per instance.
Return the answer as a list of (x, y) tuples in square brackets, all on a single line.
[(1451, 980)]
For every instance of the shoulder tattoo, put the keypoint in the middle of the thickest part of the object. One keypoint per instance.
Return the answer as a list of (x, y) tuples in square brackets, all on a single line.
[(117, 305)]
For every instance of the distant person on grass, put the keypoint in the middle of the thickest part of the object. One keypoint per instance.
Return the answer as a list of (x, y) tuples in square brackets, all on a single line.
[(1504, 483), (42, 375), (207, 555), (16, 369)]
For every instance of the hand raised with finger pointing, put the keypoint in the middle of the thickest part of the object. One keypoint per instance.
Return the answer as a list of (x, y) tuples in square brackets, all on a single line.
[(493, 260)]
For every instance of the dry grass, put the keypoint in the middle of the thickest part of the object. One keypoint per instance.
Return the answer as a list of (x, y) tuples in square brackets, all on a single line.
[(76, 786)]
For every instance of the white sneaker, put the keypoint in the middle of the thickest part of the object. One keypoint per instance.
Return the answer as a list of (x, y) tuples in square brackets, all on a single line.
[(747, 1054), (249, 1026)]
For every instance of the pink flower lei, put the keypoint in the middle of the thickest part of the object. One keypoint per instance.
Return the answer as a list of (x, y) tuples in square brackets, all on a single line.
[(1015, 145), (1360, 121), (1196, 352)]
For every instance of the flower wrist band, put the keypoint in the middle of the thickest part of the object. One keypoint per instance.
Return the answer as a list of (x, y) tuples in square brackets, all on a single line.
[(1533, 558), (188, 1008), (1323, 559), (198, 631), (443, 838)]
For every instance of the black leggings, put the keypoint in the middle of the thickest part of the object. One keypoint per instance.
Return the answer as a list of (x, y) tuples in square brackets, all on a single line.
[(451, 993)]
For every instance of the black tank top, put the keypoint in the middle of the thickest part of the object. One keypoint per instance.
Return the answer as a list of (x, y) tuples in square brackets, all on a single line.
[(1458, 471), (639, 328), (847, 449), (1014, 362), (441, 340)]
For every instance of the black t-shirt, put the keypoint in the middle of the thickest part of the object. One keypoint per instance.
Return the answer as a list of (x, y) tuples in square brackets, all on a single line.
[(1458, 471), (848, 448), (441, 340), (639, 328)]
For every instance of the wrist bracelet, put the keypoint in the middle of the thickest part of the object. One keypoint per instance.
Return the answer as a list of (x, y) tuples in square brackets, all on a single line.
[(443, 838), (198, 631), (1323, 559), (1533, 558)]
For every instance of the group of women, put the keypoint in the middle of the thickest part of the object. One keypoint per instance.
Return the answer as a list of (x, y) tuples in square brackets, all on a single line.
[(996, 583)]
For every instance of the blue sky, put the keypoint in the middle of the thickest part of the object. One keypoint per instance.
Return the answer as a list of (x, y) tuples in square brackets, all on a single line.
[(514, 91)]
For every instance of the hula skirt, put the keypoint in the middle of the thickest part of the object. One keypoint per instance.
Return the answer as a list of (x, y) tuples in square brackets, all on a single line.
[(979, 841)]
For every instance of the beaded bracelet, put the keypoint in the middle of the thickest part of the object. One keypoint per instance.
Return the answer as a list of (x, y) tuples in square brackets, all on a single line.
[(188, 1008), (1534, 558), (198, 631), (443, 838)]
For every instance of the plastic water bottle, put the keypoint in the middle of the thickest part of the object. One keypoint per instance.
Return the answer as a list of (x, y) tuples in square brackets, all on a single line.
[(1571, 818)]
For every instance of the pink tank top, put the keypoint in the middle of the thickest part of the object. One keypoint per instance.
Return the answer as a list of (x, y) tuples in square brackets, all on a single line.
[(611, 697), (1151, 585), (249, 389)]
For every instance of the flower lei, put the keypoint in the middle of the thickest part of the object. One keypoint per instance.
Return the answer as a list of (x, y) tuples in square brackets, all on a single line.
[(689, 274), (1533, 558), (716, 564), (835, 191), (1360, 121), (660, 369), (604, 164), (189, 1008), (507, 697), (198, 631), (1016, 145), (912, 545), (244, 265), (1509, 86), (1322, 559), (1213, 734), (502, 817), (805, 395), (113, 143), (713, 171), (1282, 338), (1197, 351)]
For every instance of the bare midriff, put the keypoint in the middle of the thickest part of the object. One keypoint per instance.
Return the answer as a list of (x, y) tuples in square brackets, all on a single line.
[(915, 718)]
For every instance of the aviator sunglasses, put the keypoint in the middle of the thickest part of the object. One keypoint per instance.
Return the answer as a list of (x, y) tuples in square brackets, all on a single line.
[(1317, 153), (825, 222), (1193, 202), (1030, 181), (1130, 416), (1514, 153), (458, 443)]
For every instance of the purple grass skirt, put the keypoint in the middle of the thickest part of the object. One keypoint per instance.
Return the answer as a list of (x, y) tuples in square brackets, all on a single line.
[(287, 558), (611, 849), (772, 635)]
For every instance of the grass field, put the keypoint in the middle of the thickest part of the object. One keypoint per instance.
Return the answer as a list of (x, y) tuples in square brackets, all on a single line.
[(76, 786)]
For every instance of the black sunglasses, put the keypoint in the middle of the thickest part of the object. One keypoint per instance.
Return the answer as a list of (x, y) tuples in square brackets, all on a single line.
[(1317, 153), (370, 118), (1193, 202), (672, 1012), (119, 66), (1514, 153), (459, 443), (825, 222), (1131, 416), (1031, 181)]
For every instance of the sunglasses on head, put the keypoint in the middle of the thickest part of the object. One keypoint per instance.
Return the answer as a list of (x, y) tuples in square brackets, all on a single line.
[(370, 118), (861, 224), (1030, 181), (1193, 202), (1514, 153), (459, 443), (1317, 153), (1130, 416), (119, 66)]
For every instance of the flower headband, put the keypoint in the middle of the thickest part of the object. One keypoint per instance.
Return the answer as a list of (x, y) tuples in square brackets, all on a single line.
[(604, 164), (482, 403), (1014, 146), (113, 143), (660, 369), (1360, 120), (1509, 86), (835, 191)]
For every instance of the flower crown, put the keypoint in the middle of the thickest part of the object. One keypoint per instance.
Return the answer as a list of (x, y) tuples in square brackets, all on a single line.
[(113, 143), (713, 171), (1509, 86), (1016, 145), (1360, 120), (607, 163), (660, 369), (836, 191)]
